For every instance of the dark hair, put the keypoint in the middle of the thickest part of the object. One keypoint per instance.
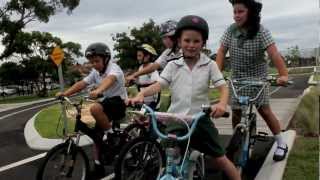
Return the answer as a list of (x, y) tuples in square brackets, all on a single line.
[(253, 22)]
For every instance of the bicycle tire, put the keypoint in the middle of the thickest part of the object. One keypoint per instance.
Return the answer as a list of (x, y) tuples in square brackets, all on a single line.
[(60, 169), (134, 164)]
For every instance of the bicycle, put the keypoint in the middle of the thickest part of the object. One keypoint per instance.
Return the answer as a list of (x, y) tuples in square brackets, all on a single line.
[(69, 161), (191, 167), (245, 133)]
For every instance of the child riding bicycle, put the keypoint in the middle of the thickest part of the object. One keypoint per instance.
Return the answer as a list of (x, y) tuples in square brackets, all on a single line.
[(110, 80), (188, 79)]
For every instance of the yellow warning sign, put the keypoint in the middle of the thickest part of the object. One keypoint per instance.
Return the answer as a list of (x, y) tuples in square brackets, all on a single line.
[(57, 55)]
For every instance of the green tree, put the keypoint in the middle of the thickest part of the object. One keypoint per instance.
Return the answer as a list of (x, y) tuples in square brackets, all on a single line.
[(16, 14), (40, 47), (10, 72), (126, 44)]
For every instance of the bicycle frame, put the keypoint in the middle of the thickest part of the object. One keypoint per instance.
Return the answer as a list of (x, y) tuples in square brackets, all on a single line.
[(174, 169), (247, 117)]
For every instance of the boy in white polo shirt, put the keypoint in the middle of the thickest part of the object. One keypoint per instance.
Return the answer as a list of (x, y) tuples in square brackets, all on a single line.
[(110, 82), (188, 79)]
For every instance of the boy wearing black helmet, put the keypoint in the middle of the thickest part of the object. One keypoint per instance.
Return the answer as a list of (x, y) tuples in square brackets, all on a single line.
[(188, 79), (247, 41), (110, 83)]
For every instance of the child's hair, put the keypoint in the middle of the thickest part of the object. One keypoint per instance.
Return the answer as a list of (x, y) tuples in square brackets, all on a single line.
[(195, 23), (253, 22)]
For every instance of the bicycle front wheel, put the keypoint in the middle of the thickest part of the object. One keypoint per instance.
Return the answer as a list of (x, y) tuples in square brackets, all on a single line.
[(62, 162), (140, 159)]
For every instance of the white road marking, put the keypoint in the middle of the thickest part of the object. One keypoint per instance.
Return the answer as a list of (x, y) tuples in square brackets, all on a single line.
[(22, 162), (14, 113)]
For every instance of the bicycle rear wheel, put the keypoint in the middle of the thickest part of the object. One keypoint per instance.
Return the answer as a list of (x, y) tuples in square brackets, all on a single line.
[(62, 162), (140, 159)]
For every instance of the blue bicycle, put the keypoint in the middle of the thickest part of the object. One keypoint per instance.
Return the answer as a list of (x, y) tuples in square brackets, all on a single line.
[(245, 133), (140, 152)]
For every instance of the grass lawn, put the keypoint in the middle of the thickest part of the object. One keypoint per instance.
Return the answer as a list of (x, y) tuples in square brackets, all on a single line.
[(303, 161), (47, 122)]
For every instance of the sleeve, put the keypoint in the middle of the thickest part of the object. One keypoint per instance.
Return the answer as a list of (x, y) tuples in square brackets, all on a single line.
[(226, 38), (154, 76), (162, 59), (116, 71), (90, 79), (216, 76), (165, 77), (266, 38)]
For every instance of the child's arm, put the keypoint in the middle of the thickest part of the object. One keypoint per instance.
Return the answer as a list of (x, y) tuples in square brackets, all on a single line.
[(148, 91), (220, 108), (150, 68), (279, 64), (78, 86), (105, 84), (221, 56)]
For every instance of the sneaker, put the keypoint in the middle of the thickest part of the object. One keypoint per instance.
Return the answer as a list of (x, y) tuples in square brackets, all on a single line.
[(280, 153)]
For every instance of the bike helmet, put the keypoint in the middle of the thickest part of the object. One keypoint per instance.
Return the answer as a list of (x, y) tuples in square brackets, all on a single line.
[(193, 22), (98, 49), (148, 48), (168, 28)]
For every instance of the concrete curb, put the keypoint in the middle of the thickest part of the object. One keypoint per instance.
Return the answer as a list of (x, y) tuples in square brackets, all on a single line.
[(272, 170), (35, 141), (311, 81)]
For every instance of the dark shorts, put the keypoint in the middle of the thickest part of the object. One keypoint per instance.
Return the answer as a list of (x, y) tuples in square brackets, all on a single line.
[(114, 107), (205, 138)]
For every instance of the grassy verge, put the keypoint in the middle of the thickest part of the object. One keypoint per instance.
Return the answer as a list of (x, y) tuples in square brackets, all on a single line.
[(48, 125), (303, 159)]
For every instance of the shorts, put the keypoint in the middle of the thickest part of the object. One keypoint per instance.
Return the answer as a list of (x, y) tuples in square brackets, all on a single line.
[(114, 107)]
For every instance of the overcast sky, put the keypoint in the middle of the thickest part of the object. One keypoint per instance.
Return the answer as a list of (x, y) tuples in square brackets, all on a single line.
[(291, 22)]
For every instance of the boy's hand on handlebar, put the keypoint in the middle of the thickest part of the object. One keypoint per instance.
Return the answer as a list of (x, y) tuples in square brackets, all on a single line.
[(94, 94), (136, 100), (59, 94), (217, 110), (282, 80)]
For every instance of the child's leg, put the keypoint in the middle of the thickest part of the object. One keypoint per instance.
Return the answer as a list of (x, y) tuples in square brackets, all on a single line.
[(274, 125), (101, 118), (224, 164)]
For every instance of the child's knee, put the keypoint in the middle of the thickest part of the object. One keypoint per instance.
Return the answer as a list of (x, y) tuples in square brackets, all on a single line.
[(96, 109)]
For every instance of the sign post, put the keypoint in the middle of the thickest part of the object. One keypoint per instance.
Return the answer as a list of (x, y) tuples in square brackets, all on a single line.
[(57, 56)]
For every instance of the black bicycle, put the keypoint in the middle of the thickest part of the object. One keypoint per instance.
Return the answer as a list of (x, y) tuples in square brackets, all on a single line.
[(69, 161)]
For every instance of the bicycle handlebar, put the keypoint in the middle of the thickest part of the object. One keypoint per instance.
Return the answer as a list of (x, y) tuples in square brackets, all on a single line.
[(194, 122)]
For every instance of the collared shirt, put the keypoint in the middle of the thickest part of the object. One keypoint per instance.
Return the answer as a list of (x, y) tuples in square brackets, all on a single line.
[(148, 79), (189, 88), (167, 56), (247, 56), (117, 88)]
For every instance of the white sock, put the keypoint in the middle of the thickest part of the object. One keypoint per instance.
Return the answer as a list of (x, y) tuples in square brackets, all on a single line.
[(97, 162), (106, 132), (279, 139), (281, 143)]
